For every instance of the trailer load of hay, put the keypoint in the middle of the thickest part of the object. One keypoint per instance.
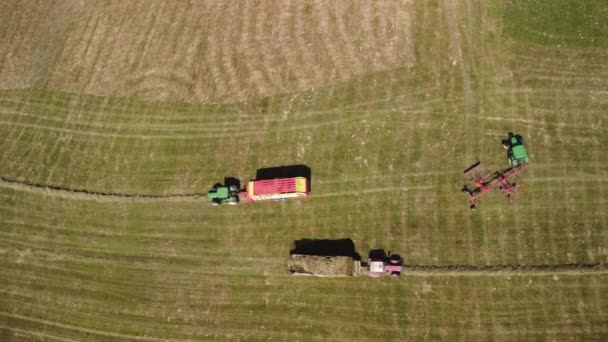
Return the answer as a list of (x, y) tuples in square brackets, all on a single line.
[(323, 266), (338, 258), (324, 258)]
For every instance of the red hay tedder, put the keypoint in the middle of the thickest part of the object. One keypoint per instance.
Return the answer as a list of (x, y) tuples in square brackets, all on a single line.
[(481, 181)]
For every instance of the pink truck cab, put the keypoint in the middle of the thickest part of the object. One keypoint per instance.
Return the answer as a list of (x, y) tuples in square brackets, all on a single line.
[(381, 267)]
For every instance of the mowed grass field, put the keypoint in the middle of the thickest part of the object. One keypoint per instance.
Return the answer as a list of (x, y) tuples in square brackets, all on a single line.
[(386, 102)]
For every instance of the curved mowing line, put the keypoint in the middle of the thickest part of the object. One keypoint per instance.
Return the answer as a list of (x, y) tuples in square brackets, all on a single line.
[(95, 332), (83, 194), (184, 136)]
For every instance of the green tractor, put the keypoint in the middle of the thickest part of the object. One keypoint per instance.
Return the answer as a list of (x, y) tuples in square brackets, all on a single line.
[(224, 194), (516, 150)]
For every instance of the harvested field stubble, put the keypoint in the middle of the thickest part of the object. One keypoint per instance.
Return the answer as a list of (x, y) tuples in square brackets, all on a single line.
[(207, 50)]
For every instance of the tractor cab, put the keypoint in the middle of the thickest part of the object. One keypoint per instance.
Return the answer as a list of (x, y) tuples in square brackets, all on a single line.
[(376, 268), (379, 264), (516, 150)]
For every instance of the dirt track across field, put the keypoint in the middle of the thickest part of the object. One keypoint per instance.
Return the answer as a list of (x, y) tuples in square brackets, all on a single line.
[(503, 270), (87, 195)]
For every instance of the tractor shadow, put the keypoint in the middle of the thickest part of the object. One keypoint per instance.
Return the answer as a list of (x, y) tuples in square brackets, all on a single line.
[(381, 254), (229, 181), (377, 254), (325, 247)]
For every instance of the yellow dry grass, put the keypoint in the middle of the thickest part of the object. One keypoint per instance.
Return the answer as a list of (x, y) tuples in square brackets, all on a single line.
[(202, 50), (31, 35)]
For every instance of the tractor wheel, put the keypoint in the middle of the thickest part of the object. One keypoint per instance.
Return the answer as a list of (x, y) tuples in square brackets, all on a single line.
[(215, 202)]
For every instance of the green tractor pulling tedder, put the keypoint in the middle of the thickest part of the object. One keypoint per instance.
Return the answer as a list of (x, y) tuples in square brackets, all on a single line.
[(479, 181), (516, 149)]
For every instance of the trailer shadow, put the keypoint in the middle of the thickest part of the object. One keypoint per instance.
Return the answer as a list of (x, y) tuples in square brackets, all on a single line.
[(325, 247), (286, 171)]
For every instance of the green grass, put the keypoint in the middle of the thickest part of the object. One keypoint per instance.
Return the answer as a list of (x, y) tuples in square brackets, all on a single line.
[(387, 152), (181, 271), (558, 22)]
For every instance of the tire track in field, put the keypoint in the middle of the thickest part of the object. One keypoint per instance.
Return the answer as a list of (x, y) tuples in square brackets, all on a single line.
[(109, 121), (101, 257), (368, 39), (344, 41), (543, 123), (374, 190), (248, 30), (420, 270), (227, 60), (95, 332), (213, 55), (262, 76), (505, 269), (162, 122), (306, 47), (460, 62), (202, 133), (40, 335), (98, 196)]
